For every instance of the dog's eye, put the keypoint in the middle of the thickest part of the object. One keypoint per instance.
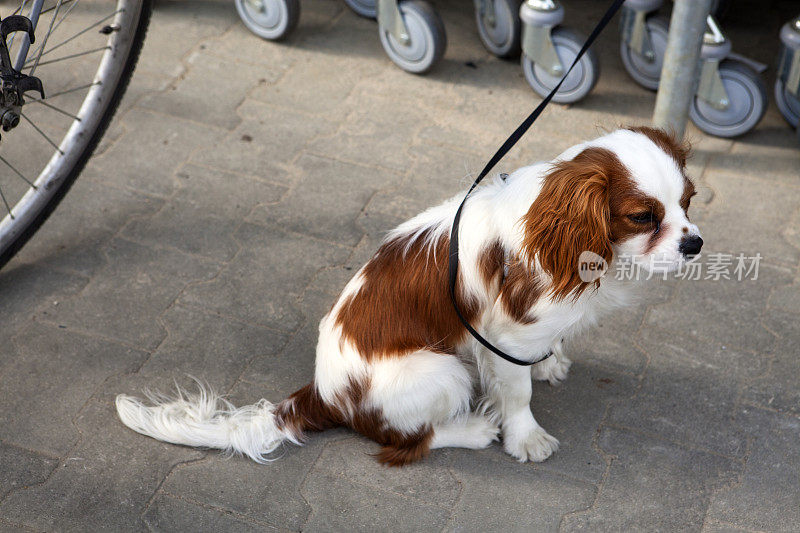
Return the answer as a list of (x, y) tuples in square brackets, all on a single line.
[(641, 218)]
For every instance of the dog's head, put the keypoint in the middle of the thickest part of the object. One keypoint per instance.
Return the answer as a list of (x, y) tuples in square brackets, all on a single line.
[(626, 193)]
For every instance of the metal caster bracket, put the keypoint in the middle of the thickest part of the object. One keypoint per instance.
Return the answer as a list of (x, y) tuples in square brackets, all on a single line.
[(710, 87), (635, 34), (789, 62), (537, 42), (389, 17)]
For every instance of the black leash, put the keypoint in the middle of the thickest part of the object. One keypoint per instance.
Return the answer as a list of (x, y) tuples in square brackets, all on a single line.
[(510, 142)]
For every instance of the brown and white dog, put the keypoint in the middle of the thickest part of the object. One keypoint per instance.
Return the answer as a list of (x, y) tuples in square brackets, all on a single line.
[(393, 361)]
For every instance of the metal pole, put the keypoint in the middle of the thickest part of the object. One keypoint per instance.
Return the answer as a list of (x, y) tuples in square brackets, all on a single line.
[(681, 64)]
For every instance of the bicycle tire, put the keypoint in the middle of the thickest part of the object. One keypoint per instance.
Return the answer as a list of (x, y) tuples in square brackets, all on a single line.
[(25, 233)]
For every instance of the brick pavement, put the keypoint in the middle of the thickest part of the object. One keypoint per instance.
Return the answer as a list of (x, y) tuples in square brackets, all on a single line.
[(218, 222)]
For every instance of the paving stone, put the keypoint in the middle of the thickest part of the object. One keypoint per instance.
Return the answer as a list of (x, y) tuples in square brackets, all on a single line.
[(337, 191), (224, 194), (427, 481), (175, 30), (26, 288), (252, 148), (280, 374), (756, 210), (689, 393), (123, 301), (300, 88), (207, 80), (87, 219), (155, 145), (341, 505), (168, 513), (333, 31), (53, 373), (209, 347), (652, 485), (428, 92), (267, 493), (718, 527), (735, 307), (765, 496), (792, 231), (8, 527), (436, 175), (272, 264), (501, 494), (147, 83), (786, 298), (572, 412), (103, 484), (768, 154), (21, 468), (190, 229), (377, 133), (777, 388), (612, 342), (329, 91), (666, 348), (238, 45)]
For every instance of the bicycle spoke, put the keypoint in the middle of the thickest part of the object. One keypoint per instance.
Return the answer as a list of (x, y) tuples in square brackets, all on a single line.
[(51, 8), (43, 134), (73, 56), (54, 28), (18, 10), (51, 96), (3, 196), (47, 36), (62, 43), (54, 108), (17, 172)]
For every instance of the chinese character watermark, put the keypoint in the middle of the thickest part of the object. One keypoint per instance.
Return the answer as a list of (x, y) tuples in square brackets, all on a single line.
[(713, 267)]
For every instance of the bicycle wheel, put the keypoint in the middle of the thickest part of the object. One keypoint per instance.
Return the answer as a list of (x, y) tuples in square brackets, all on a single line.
[(84, 53)]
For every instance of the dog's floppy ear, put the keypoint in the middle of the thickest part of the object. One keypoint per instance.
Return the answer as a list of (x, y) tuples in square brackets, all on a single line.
[(571, 215)]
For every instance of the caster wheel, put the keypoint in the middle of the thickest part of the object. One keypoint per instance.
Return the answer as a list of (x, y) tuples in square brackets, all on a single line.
[(269, 19), (788, 104), (748, 102), (363, 8), (503, 38), (426, 42), (647, 73), (580, 81)]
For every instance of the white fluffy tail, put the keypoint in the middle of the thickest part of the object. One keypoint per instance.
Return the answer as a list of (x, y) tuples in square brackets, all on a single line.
[(206, 420)]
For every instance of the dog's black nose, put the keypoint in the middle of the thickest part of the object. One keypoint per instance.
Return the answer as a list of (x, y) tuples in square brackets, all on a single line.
[(690, 245)]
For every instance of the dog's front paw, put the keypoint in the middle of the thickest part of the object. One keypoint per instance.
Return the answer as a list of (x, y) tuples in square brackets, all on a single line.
[(553, 369), (537, 445)]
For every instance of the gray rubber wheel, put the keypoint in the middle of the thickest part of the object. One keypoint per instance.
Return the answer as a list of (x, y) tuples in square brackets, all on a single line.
[(503, 39), (427, 39), (788, 104), (580, 81), (269, 19), (647, 73), (363, 8), (748, 102)]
